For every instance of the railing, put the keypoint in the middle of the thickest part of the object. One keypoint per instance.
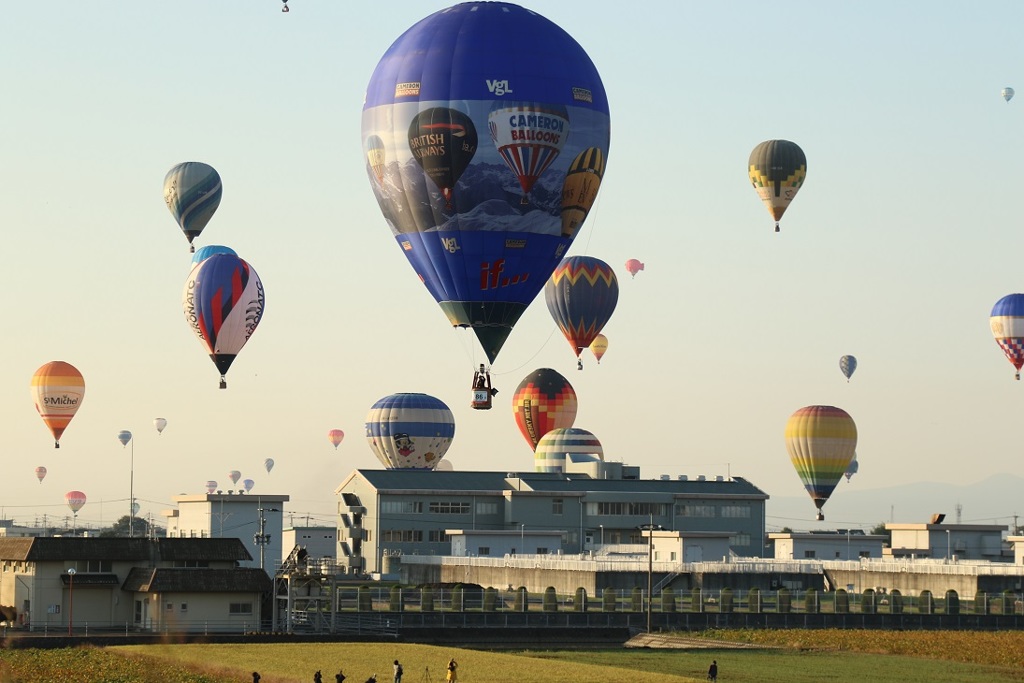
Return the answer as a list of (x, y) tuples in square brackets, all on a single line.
[(94, 627)]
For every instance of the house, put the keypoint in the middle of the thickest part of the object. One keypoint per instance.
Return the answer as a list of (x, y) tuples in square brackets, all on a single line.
[(257, 521), (319, 542), (843, 544), (946, 541), (384, 513), (184, 584)]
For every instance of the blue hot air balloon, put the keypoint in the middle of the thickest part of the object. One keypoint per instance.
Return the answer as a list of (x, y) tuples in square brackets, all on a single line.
[(1007, 324), (581, 296), (410, 431), (203, 253), (848, 364), (483, 133), (192, 191)]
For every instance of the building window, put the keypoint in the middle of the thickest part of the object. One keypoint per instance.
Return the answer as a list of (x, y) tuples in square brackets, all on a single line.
[(839, 555), (740, 540), (484, 550), (401, 507), (438, 536), (240, 608), (95, 566), (556, 506), (672, 556), (634, 509), (695, 510), (542, 551), (184, 607), (191, 564), (736, 511), (402, 536), (809, 554), (864, 553), (169, 607), (448, 508), (486, 508)]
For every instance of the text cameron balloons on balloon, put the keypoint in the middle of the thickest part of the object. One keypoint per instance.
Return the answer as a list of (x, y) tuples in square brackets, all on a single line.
[(486, 131), (223, 302)]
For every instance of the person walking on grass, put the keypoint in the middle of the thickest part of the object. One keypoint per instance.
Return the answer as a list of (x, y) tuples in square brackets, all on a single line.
[(398, 672), (713, 670), (452, 675)]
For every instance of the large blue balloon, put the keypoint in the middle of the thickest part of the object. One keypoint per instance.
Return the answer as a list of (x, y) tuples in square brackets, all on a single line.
[(410, 431), (492, 126)]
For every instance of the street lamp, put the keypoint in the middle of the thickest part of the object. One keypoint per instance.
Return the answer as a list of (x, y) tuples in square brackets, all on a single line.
[(602, 534), (125, 437), (261, 538), (947, 545), (650, 565), (71, 599)]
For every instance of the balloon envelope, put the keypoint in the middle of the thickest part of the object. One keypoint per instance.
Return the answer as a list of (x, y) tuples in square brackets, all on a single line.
[(483, 222), (335, 436), (269, 464), (558, 444), (634, 266), (410, 431), (847, 364), (223, 302), (234, 476), (777, 169), (203, 253), (211, 486), (852, 469), (160, 424), (599, 346), (822, 441), (248, 484), (192, 191), (124, 436), (75, 500), (40, 473), (581, 295), (543, 401), (1007, 324), (1008, 94), (57, 389)]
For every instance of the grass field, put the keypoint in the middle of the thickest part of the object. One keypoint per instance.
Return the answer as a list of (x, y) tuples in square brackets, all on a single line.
[(801, 656)]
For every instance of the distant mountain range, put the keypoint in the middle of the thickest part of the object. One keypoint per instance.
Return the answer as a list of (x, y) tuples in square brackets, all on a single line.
[(994, 500)]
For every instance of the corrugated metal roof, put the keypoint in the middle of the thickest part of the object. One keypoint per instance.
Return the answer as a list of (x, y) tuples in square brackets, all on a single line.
[(168, 580)]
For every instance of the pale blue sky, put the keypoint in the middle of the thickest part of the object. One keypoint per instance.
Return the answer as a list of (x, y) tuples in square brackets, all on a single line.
[(903, 237)]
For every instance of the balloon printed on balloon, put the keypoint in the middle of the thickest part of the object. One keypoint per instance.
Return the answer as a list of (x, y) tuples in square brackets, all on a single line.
[(484, 225), (75, 500), (57, 390), (822, 441), (410, 431), (777, 170), (543, 401), (558, 445), (223, 301), (192, 191), (375, 157), (40, 473)]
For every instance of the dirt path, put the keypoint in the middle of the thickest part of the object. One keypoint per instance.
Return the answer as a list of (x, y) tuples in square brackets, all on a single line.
[(666, 640)]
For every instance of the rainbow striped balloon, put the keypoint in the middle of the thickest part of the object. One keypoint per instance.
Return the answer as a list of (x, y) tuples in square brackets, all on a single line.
[(822, 442)]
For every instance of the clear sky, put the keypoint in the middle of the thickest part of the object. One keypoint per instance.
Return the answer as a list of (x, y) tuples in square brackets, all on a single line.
[(904, 235)]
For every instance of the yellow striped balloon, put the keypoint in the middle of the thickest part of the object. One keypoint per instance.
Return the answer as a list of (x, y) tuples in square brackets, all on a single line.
[(822, 442), (57, 390)]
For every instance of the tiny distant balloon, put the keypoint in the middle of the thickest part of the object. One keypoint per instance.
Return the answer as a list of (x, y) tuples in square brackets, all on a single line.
[(40, 473), (847, 364), (599, 346), (234, 476), (777, 169), (269, 464), (135, 509), (248, 484), (192, 191), (633, 267), (211, 486), (335, 436), (160, 423), (124, 436), (57, 389), (1007, 94), (75, 500), (852, 469)]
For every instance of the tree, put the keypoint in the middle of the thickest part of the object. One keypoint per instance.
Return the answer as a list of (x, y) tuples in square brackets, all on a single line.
[(140, 528), (880, 530)]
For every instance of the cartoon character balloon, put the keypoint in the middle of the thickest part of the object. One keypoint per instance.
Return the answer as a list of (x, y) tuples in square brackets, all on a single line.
[(822, 441), (492, 156), (192, 191), (599, 346), (560, 444), (223, 301), (848, 364), (543, 401), (211, 486), (777, 169), (335, 436), (1008, 93), (57, 390), (581, 295), (268, 464), (160, 424), (1007, 323), (248, 484), (410, 431), (75, 500), (234, 476), (633, 267), (40, 473)]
